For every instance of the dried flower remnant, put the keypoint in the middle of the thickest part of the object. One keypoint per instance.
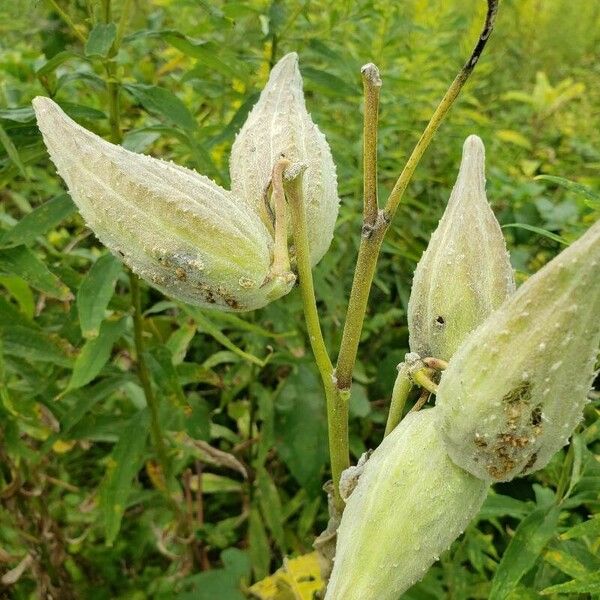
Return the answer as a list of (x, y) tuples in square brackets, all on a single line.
[(410, 503), (280, 126), (175, 228), (516, 389), (465, 272)]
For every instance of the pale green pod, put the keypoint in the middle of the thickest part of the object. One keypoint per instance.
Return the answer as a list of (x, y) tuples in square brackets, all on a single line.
[(177, 229), (411, 502), (516, 389), (465, 272), (279, 125)]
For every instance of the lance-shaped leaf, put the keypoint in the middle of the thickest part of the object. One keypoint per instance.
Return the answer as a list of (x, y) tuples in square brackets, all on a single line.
[(279, 125), (516, 389), (175, 228), (465, 273), (410, 503)]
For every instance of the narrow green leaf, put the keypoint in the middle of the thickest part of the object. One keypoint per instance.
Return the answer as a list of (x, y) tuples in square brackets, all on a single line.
[(164, 102), (208, 327), (195, 373), (590, 528), (95, 353), (12, 151), (21, 292), (206, 53), (270, 505), (34, 345), (39, 221), (179, 341), (572, 186), (560, 558), (86, 399), (10, 316), (101, 39), (160, 362), (531, 536), (24, 114), (539, 231), (23, 262), (123, 464), (589, 584), (58, 59), (219, 484), (259, 550), (330, 83), (95, 293), (79, 111)]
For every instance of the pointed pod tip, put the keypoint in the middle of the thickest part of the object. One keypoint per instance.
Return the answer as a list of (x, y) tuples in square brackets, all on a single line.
[(472, 166), (289, 60), (474, 147), (42, 103)]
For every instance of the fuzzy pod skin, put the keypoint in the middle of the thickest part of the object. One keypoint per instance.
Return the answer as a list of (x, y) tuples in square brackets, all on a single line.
[(279, 125), (465, 272), (411, 502), (176, 229), (515, 391)]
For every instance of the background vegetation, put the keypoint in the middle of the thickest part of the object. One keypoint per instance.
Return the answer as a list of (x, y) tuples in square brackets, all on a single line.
[(85, 510)]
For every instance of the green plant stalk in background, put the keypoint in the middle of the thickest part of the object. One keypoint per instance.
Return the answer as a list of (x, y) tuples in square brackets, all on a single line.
[(114, 117)]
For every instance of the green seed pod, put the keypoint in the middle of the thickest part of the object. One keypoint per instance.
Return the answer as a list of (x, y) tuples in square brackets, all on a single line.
[(279, 125), (411, 502), (465, 273), (515, 390), (175, 228)]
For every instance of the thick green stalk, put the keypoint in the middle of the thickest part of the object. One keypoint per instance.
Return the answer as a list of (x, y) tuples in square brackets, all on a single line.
[(371, 89), (337, 418)]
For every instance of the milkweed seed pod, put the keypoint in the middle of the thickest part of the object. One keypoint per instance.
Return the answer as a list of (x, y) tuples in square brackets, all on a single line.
[(279, 125), (177, 229), (410, 503), (514, 392), (465, 273)]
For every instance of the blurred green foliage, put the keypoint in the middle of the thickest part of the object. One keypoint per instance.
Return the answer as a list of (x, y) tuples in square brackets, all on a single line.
[(83, 511)]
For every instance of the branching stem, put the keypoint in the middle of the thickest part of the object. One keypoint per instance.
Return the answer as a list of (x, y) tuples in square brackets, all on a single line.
[(373, 235)]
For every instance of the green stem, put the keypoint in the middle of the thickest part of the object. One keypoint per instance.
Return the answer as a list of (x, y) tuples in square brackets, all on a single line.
[(371, 88), (337, 418), (114, 117), (144, 376), (372, 237), (122, 25), (67, 20), (421, 378), (402, 388)]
